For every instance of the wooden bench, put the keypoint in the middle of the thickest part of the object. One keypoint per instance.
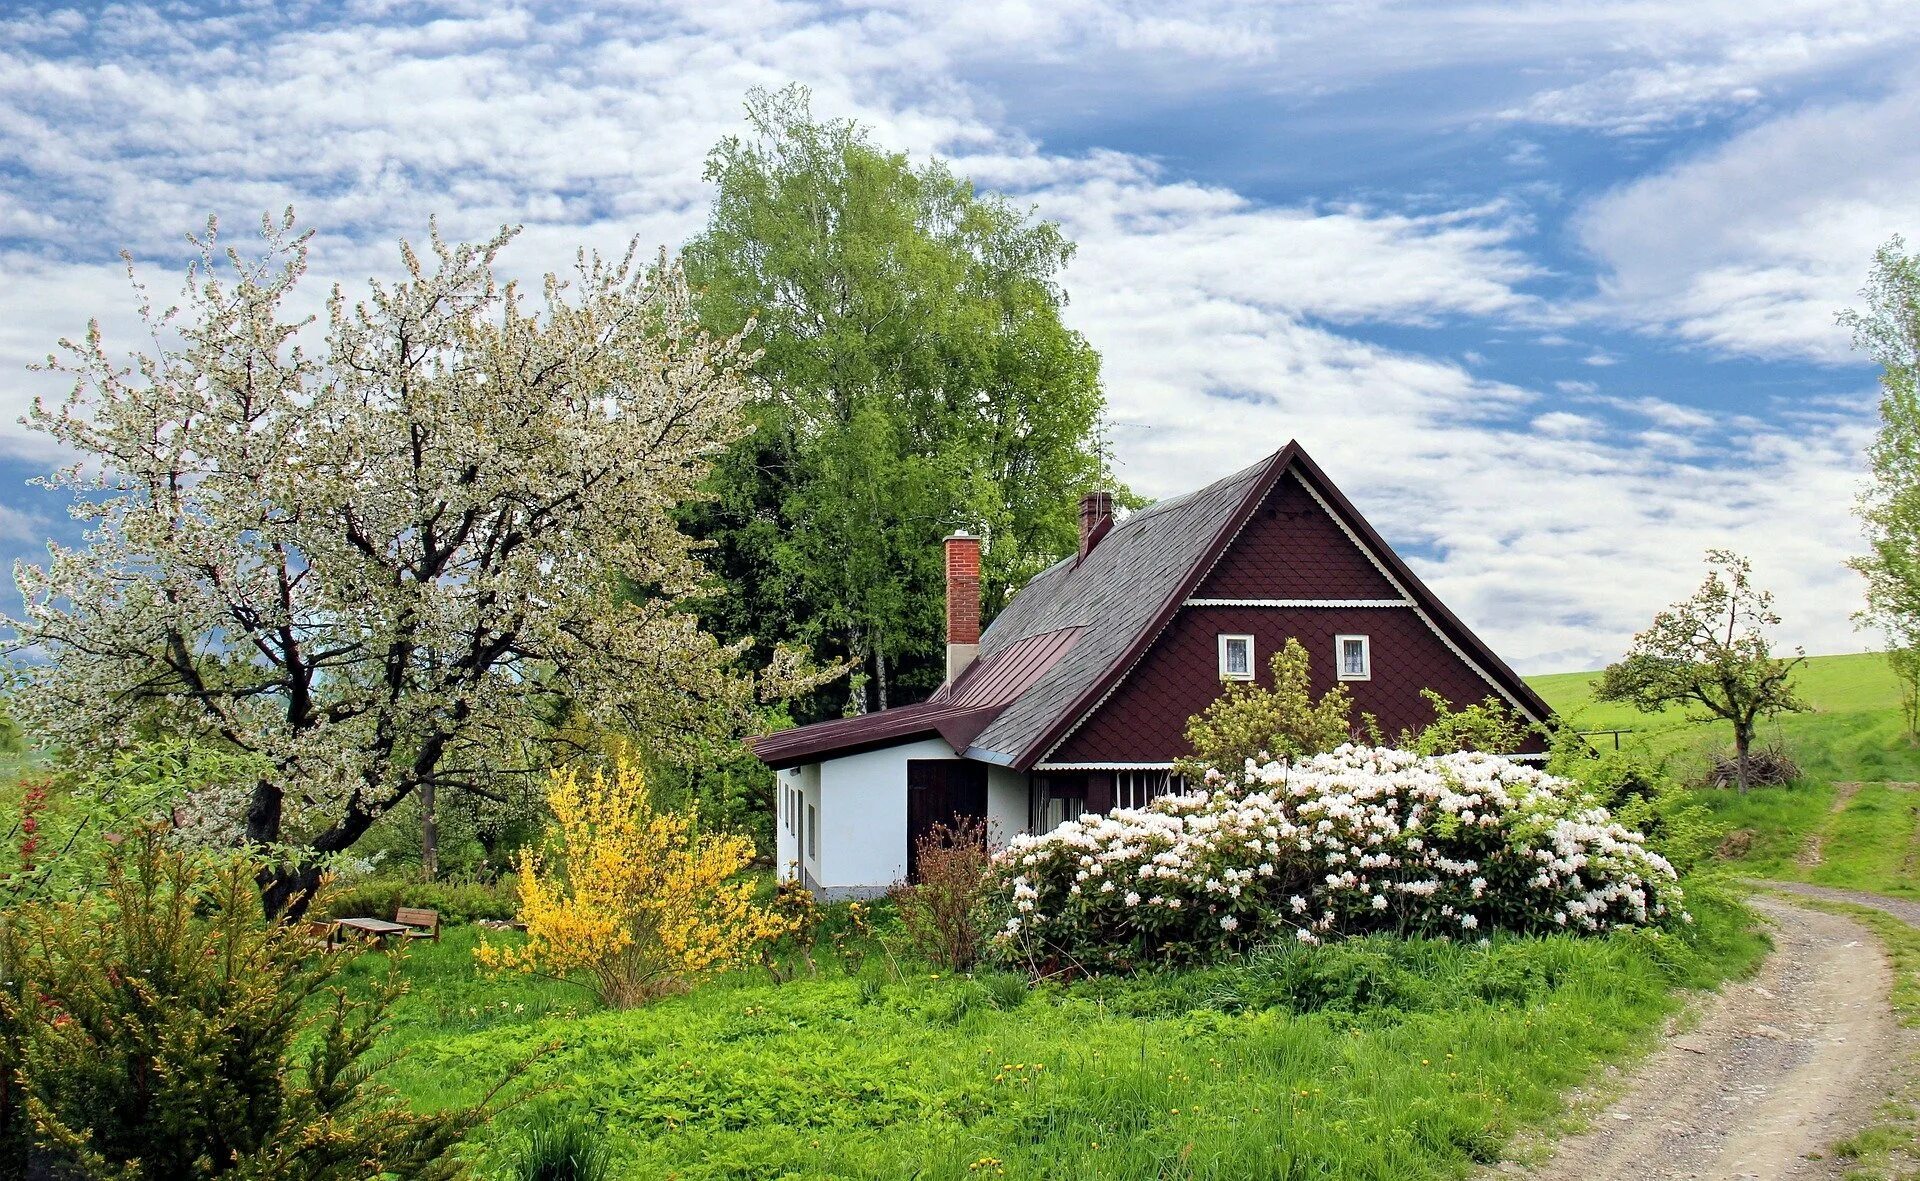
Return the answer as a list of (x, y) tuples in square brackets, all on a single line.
[(420, 924)]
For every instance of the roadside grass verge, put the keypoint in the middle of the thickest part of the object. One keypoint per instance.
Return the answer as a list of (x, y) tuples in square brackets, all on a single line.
[(1375, 1058), (1888, 1149)]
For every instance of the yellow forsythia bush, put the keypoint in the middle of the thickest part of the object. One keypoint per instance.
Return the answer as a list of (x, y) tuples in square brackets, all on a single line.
[(634, 897)]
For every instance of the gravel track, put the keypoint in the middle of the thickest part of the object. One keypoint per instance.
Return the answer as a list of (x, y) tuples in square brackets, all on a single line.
[(1769, 1074)]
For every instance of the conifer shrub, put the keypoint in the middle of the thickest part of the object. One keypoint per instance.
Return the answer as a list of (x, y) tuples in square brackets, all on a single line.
[(1358, 840), (166, 1031)]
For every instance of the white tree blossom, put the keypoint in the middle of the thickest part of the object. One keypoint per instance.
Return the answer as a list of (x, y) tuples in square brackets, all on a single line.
[(391, 560)]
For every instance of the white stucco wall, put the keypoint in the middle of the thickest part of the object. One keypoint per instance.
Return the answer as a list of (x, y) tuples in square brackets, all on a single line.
[(1008, 813), (862, 802), (863, 817), (790, 816)]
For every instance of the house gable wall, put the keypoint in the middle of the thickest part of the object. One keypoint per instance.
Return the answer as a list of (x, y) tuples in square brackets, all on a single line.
[(1291, 549), (1145, 719)]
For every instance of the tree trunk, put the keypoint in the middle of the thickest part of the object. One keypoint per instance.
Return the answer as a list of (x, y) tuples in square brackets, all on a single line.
[(1742, 748), (429, 833), (285, 891), (880, 673)]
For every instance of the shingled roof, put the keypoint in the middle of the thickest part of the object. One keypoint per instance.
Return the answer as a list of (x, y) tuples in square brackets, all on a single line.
[(1076, 629)]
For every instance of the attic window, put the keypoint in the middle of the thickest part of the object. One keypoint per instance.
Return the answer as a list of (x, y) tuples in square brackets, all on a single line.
[(1353, 656), (1236, 658)]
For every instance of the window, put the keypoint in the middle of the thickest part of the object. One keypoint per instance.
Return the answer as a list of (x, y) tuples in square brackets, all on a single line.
[(1352, 656), (1136, 789), (1236, 658), (813, 833)]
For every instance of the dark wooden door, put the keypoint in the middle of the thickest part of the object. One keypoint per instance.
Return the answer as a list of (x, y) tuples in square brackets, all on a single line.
[(941, 791)]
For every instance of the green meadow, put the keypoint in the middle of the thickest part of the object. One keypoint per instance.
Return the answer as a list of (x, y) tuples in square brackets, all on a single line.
[(1376, 1059), (1851, 747)]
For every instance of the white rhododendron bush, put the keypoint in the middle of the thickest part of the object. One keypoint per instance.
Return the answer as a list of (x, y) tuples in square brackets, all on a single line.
[(1358, 840)]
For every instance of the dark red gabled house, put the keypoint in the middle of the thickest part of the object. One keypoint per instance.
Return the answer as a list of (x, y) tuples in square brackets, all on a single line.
[(1077, 698)]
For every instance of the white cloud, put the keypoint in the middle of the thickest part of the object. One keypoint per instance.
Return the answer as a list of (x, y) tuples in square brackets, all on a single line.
[(1752, 247), (1227, 326)]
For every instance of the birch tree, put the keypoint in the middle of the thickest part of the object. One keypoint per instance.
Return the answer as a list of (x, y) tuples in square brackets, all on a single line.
[(1888, 330), (378, 561), (915, 377)]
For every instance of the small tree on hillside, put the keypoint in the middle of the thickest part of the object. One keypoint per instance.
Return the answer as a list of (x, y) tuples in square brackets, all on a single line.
[(1284, 722), (1711, 651), (385, 566)]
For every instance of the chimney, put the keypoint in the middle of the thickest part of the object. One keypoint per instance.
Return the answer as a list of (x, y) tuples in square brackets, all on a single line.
[(1096, 517), (963, 602)]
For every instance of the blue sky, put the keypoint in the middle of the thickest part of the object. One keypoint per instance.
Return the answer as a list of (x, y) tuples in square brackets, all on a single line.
[(1548, 288)]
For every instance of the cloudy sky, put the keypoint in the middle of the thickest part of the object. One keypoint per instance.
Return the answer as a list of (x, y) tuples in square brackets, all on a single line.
[(1549, 288)]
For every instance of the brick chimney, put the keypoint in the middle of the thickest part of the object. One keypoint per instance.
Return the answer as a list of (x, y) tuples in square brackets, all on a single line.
[(963, 602), (1096, 517)]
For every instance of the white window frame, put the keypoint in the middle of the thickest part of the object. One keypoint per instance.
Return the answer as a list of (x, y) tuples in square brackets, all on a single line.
[(1223, 641), (1340, 658), (813, 833)]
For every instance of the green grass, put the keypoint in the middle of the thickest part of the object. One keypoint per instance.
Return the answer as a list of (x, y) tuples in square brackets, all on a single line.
[(1853, 734), (1854, 731), (1372, 1059)]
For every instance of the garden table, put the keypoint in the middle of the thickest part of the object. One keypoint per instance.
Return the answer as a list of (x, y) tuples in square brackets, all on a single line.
[(380, 929)]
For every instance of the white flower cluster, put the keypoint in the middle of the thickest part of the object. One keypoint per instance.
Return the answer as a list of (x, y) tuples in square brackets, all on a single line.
[(1359, 839)]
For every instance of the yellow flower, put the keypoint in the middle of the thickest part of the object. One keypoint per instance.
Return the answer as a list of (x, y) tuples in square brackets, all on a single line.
[(638, 899)]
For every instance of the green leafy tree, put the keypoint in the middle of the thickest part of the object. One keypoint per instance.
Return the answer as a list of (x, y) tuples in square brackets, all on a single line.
[(1889, 509), (1285, 722), (914, 377), (172, 1033), (1710, 652)]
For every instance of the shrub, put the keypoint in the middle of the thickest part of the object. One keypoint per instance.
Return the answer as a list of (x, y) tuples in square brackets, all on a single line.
[(635, 898), (1641, 794), (1249, 723), (567, 1151), (1361, 839), (174, 1034), (938, 911), (457, 902), (1489, 726)]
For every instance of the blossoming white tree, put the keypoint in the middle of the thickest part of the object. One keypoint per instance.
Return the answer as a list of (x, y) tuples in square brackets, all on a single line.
[(388, 564)]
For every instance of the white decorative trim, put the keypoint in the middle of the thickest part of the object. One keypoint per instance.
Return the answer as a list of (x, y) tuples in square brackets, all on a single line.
[(1297, 603), (1422, 615), (1103, 766)]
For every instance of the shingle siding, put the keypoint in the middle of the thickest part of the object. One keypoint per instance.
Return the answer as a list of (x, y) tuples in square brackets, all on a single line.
[(1291, 549), (1145, 718)]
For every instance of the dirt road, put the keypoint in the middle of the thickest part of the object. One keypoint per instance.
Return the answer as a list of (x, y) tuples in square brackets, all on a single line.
[(1770, 1074)]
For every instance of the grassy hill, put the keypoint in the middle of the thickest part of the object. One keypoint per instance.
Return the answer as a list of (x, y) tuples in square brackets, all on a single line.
[(1854, 820), (1854, 731)]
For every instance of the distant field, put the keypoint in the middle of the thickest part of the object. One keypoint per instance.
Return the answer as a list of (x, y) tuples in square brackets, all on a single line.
[(1854, 731)]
